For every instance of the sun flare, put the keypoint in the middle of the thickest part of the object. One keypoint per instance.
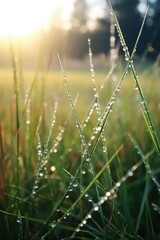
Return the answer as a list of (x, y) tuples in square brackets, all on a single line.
[(23, 17)]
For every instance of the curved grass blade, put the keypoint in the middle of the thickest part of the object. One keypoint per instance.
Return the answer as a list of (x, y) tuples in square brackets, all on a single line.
[(145, 109)]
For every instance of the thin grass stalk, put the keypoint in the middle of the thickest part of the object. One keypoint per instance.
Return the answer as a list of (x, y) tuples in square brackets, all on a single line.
[(16, 92), (98, 110), (146, 164), (43, 154), (145, 195)]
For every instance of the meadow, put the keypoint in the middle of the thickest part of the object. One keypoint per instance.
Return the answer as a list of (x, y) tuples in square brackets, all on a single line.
[(79, 151)]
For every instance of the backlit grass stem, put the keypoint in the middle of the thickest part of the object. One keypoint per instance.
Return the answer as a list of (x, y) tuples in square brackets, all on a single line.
[(16, 94), (145, 110)]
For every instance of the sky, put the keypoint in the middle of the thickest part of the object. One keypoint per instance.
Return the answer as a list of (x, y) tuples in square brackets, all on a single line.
[(22, 17)]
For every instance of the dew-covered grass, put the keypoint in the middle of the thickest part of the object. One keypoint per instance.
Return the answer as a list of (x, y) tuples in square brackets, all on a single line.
[(79, 151), (51, 152)]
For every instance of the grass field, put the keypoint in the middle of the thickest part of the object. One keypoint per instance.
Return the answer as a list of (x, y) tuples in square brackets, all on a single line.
[(129, 212), (79, 152)]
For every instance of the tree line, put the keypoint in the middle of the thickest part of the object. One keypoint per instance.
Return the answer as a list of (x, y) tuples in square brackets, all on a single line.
[(73, 42)]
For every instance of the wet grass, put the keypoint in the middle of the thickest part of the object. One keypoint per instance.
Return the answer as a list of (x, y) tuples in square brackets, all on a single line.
[(79, 151)]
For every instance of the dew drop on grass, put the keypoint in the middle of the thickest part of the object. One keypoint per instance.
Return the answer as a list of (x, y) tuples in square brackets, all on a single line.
[(96, 208), (28, 122), (118, 89), (98, 129), (84, 222), (118, 184), (136, 87), (33, 193), (93, 137), (75, 184), (83, 172), (52, 225), (96, 104), (108, 194), (41, 174), (101, 201), (130, 173), (18, 220)]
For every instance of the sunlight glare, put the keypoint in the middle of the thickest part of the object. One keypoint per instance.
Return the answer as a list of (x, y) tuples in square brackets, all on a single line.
[(23, 17)]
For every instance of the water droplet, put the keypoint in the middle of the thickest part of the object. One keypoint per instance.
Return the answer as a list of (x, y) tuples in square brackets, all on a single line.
[(118, 184), (75, 184), (93, 137), (18, 220), (28, 122), (96, 208), (83, 172), (130, 173), (101, 201), (108, 194), (84, 221), (98, 129), (90, 200), (53, 225), (136, 87), (41, 174), (53, 168)]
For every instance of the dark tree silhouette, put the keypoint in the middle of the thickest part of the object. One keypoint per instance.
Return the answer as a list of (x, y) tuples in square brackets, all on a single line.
[(129, 19), (130, 14)]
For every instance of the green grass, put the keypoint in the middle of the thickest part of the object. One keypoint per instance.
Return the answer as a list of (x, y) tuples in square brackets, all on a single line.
[(125, 118), (78, 162)]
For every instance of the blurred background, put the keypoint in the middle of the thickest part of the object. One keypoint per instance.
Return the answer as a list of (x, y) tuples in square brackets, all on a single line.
[(43, 28)]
